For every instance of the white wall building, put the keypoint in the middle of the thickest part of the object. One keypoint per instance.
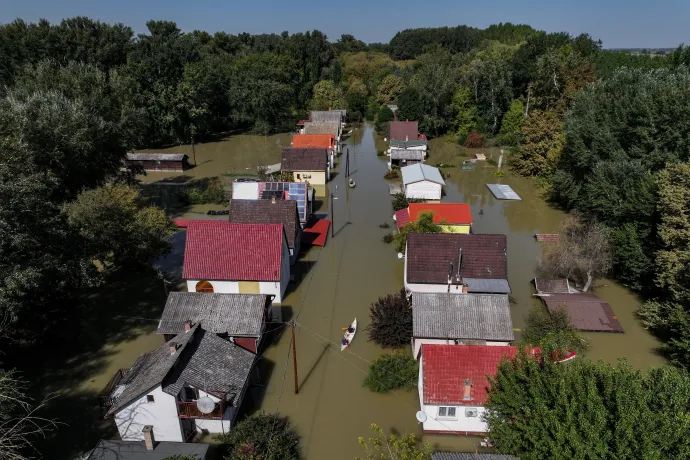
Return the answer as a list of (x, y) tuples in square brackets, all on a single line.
[(165, 387), (457, 408), (423, 182)]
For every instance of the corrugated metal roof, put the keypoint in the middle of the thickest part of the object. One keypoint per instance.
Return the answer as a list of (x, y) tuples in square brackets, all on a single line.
[(462, 316), (402, 154), (503, 192), (419, 172), (326, 115), (311, 127), (245, 190), (495, 286)]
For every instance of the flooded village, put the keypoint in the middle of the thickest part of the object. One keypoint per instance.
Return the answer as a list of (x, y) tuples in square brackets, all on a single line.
[(327, 287)]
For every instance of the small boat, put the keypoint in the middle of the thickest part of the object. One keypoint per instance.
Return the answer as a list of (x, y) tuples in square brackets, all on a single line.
[(352, 183), (349, 335)]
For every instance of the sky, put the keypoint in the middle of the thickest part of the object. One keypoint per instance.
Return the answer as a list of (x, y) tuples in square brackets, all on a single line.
[(618, 23)]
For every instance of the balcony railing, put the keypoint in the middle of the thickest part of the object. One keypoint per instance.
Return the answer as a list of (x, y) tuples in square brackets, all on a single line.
[(104, 397), (189, 410)]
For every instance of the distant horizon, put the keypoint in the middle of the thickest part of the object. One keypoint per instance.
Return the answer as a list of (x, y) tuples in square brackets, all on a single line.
[(617, 25)]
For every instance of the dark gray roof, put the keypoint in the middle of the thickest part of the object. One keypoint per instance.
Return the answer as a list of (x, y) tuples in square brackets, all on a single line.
[(462, 316), (402, 154), (552, 286), (470, 456), (295, 159), (156, 156), (135, 450), (267, 212), (326, 115), (493, 286), (321, 127), (212, 364), (148, 371), (232, 314)]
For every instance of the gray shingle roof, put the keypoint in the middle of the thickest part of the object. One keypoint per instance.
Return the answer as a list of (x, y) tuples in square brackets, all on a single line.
[(211, 364), (462, 316), (304, 159), (149, 370), (402, 154), (311, 127), (470, 456), (155, 156), (135, 450), (419, 172), (232, 314), (267, 212), (326, 115), (493, 286)]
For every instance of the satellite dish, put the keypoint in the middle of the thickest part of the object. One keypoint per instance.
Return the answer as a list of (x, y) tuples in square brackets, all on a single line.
[(205, 405), (421, 416), (394, 217), (400, 255)]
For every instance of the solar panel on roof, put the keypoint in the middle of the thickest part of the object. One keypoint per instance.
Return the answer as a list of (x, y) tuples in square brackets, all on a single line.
[(270, 194)]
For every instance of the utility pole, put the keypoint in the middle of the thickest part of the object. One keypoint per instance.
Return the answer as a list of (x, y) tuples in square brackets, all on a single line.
[(193, 150), (332, 220), (294, 356), (347, 163)]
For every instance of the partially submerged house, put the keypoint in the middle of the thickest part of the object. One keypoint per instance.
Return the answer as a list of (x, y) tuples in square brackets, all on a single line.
[(232, 258), (314, 141), (402, 157), (587, 311), (148, 449), (194, 383), (456, 263), (470, 319), (453, 386), (327, 116), (157, 161), (333, 128), (298, 192), (239, 318), (273, 211), (403, 130), (306, 165), (412, 144), (452, 217), (422, 182)]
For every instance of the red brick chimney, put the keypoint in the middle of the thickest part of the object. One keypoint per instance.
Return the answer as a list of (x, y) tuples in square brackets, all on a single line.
[(188, 325), (273, 200), (149, 440), (173, 348)]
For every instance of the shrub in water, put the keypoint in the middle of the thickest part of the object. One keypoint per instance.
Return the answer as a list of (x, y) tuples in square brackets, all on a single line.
[(387, 238), (392, 372)]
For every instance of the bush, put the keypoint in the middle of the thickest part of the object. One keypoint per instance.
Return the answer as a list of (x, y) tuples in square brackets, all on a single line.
[(392, 174), (401, 202), (499, 174), (385, 225), (474, 140), (209, 191), (256, 436), (391, 320), (552, 330), (392, 372), (425, 224), (387, 238)]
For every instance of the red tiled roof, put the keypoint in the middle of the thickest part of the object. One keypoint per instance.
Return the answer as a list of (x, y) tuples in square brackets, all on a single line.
[(403, 130), (219, 250), (326, 141), (402, 217), (429, 256), (446, 367), (451, 213)]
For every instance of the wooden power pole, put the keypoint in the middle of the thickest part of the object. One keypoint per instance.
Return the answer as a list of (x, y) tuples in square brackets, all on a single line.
[(294, 357), (332, 220)]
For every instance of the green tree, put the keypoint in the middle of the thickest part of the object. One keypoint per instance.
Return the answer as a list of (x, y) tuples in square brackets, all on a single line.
[(542, 144), (389, 89), (552, 329), (410, 105), (405, 447), (262, 436), (465, 114), (511, 126), (327, 96), (540, 409), (391, 320), (392, 372), (424, 224), (117, 227)]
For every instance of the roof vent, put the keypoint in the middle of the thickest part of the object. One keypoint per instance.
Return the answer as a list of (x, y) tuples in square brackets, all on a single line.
[(173, 348), (467, 390), (188, 325)]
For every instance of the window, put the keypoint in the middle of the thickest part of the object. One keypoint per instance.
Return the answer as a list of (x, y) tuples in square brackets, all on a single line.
[(149, 398), (297, 175), (447, 413), (191, 394), (204, 286)]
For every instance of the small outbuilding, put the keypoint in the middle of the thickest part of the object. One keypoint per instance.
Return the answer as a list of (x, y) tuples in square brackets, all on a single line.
[(587, 311), (306, 165), (413, 144), (422, 182), (157, 161), (470, 319), (401, 157)]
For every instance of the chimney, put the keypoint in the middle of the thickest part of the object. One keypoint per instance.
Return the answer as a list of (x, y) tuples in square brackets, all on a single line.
[(149, 440), (273, 200), (187, 325), (467, 390), (407, 138), (173, 348)]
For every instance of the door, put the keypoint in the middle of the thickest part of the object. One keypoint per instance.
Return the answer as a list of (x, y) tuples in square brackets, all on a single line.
[(249, 287)]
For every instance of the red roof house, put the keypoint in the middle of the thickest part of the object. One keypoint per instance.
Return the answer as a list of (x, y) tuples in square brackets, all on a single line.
[(453, 385), (228, 257), (444, 213), (403, 130), (313, 141)]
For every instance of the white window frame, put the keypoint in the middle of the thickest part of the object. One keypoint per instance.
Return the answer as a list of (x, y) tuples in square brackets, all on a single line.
[(447, 410)]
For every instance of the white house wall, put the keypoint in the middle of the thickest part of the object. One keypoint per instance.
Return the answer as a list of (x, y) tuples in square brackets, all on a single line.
[(425, 190), (161, 414), (417, 344)]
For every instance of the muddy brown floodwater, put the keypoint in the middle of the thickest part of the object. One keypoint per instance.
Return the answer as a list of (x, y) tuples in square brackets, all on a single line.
[(337, 283)]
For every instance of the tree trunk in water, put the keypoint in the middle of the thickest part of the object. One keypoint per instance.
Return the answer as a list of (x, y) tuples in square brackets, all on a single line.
[(588, 283)]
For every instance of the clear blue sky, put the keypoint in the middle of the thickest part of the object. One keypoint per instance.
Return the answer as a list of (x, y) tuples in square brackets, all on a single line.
[(618, 23)]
